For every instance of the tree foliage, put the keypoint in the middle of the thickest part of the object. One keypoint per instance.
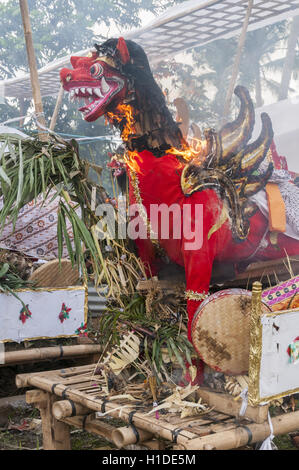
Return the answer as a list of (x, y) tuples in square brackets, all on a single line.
[(60, 27)]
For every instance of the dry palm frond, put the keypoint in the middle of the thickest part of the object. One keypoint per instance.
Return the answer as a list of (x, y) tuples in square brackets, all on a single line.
[(165, 344), (177, 403), (19, 263), (235, 385), (124, 354)]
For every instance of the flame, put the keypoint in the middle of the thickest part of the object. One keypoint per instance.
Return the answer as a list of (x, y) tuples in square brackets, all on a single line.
[(124, 112), (131, 158), (198, 145), (194, 151)]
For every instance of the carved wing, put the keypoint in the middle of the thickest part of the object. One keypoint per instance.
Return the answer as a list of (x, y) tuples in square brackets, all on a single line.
[(231, 163)]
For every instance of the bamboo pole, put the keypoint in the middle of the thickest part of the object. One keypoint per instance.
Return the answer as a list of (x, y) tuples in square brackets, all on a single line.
[(56, 434), (36, 396), (125, 436), (57, 108), (22, 379), (236, 65), (91, 425), (40, 119), (227, 404), (65, 409), (243, 435), (105, 430), (54, 352)]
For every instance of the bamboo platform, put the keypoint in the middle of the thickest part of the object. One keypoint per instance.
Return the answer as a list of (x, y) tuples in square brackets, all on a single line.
[(72, 396), (268, 272)]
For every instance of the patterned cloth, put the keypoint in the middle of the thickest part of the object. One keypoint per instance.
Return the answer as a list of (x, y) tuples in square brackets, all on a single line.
[(283, 296), (290, 195), (35, 232)]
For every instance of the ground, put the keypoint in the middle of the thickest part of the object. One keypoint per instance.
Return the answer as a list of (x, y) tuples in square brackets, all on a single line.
[(23, 432)]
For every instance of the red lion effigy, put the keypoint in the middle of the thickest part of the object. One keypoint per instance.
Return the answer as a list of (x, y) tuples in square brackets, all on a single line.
[(116, 81)]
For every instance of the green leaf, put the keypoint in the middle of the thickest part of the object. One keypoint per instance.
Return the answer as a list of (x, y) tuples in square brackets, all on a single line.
[(42, 174), (59, 235), (12, 152), (4, 269), (21, 175), (177, 354), (67, 239), (31, 176), (4, 176)]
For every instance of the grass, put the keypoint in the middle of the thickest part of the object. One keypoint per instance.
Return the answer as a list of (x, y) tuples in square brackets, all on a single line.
[(284, 442)]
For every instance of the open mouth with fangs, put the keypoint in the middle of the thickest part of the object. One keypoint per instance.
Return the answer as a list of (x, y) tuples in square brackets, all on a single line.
[(96, 94)]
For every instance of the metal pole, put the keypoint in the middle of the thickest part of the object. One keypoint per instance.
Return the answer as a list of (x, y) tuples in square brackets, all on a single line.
[(40, 119)]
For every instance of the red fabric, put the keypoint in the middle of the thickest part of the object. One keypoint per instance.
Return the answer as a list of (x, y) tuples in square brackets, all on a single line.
[(123, 50), (159, 182)]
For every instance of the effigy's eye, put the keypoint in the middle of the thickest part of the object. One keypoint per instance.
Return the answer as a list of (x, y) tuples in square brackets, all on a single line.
[(96, 70)]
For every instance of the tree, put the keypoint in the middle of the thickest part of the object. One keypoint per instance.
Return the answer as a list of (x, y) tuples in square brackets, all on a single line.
[(60, 27), (204, 80), (290, 59), (212, 65)]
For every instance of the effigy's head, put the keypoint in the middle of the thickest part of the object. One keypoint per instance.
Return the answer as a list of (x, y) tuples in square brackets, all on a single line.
[(115, 80), (105, 78)]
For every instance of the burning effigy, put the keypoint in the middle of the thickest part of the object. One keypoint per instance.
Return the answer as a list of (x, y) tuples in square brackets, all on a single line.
[(117, 82), (183, 210)]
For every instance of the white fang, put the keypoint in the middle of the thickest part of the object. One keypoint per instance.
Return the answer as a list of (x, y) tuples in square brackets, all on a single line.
[(105, 86), (98, 92)]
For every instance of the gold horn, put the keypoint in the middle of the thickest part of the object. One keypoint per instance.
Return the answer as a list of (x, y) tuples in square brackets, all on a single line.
[(235, 135), (255, 153)]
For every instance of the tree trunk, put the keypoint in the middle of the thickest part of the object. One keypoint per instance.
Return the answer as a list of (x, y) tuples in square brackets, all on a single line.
[(258, 87), (289, 59)]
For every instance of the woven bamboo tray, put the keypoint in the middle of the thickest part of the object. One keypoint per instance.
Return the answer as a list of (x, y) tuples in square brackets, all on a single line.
[(220, 330), (55, 274)]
